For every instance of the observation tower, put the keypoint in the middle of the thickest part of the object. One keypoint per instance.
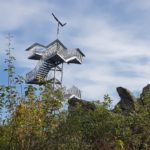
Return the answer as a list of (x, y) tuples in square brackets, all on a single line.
[(50, 60)]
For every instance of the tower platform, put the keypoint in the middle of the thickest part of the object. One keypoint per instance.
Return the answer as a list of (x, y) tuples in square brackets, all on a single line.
[(49, 58)]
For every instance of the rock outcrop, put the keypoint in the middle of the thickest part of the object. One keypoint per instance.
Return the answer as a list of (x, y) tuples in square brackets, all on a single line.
[(126, 103), (145, 95), (85, 105)]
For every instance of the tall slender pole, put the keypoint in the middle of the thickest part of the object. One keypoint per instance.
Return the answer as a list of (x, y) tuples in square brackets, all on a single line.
[(57, 30), (59, 24)]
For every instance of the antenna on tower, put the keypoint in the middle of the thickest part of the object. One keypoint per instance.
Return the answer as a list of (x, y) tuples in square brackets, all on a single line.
[(59, 24)]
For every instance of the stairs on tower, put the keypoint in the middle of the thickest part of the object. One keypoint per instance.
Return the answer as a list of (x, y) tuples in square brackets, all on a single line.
[(49, 57)]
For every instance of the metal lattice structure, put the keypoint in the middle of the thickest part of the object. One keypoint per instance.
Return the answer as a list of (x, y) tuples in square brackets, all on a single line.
[(50, 61), (73, 92)]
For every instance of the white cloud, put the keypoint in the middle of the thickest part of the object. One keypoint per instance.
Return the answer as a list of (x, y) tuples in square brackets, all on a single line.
[(19, 13), (105, 45)]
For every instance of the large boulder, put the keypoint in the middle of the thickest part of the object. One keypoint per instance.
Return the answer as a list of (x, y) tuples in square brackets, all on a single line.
[(85, 105), (145, 95), (127, 100)]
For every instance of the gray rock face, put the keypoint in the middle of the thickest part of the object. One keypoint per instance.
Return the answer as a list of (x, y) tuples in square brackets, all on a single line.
[(85, 105), (127, 100), (145, 95)]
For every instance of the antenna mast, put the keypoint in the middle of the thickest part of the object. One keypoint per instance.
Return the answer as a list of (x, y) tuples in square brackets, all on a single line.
[(59, 23)]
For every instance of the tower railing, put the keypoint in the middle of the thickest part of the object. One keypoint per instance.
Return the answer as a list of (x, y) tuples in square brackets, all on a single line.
[(50, 51), (74, 91), (32, 74), (65, 54), (36, 50), (68, 54)]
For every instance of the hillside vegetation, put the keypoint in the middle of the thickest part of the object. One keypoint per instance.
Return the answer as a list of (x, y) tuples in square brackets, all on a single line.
[(35, 119)]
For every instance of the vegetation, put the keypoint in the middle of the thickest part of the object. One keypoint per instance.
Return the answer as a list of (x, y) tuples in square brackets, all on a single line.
[(36, 120)]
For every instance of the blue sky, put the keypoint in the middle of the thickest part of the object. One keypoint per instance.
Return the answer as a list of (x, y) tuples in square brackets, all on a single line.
[(113, 34)]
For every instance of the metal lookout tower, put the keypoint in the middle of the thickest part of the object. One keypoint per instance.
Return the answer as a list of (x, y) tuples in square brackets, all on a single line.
[(50, 63)]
